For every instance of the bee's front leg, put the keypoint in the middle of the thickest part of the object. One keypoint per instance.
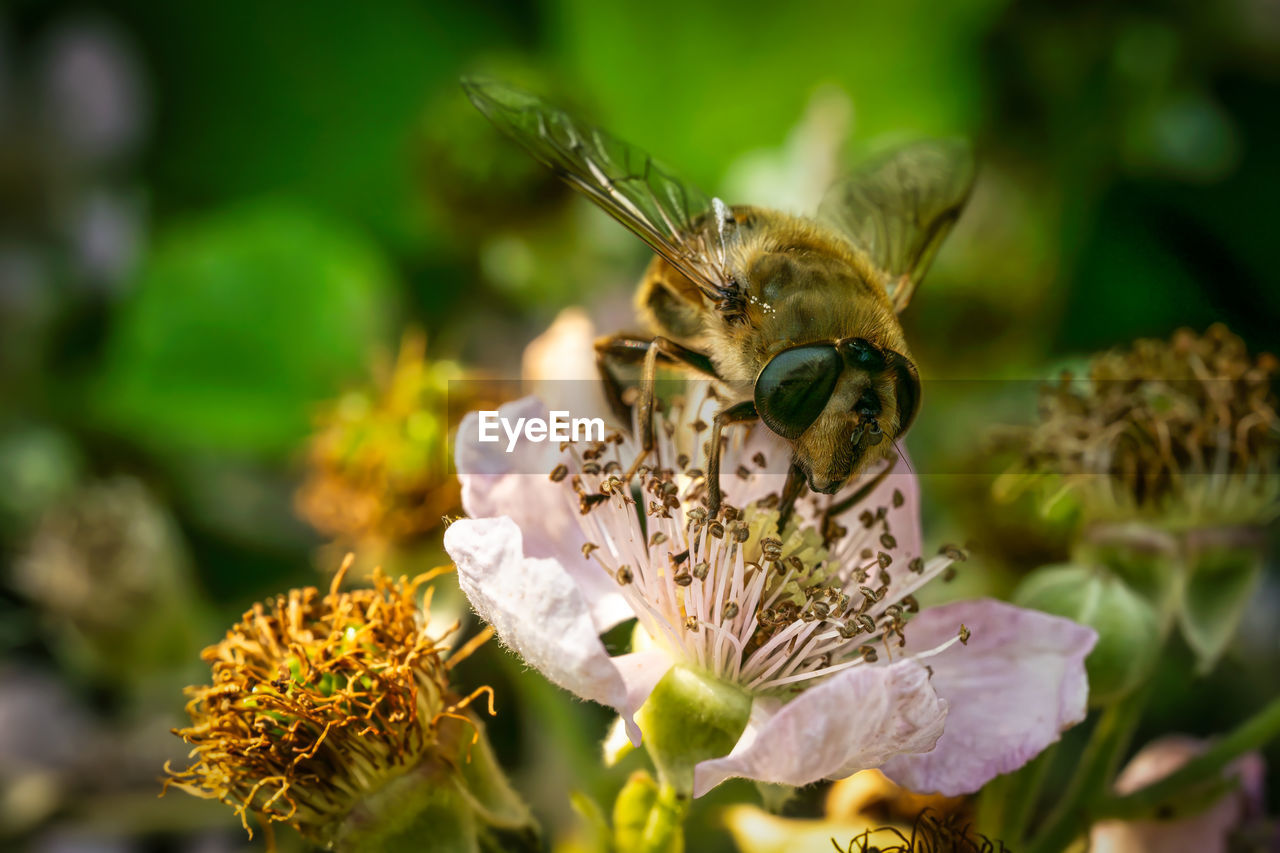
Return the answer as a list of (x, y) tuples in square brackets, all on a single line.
[(739, 413), (792, 489), (829, 526)]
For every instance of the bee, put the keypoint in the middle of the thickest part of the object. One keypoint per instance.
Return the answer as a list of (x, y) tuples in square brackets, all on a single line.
[(794, 317)]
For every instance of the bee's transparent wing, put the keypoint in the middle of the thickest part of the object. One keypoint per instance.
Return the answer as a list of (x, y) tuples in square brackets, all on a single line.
[(667, 213), (898, 207)]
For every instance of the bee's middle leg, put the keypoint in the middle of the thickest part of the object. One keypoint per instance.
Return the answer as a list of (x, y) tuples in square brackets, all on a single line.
[(629, 349)]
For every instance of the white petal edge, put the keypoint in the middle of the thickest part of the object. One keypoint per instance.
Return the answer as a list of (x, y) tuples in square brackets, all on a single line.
[(538, 611), (518, 485), (857, 719)]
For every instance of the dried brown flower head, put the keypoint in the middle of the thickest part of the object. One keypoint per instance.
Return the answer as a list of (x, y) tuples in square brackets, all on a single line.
[(928, 833), (318, 700), (378, 464), (1183, 430)]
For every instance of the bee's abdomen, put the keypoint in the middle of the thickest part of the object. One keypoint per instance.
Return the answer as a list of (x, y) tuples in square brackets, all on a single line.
[(670, 304)]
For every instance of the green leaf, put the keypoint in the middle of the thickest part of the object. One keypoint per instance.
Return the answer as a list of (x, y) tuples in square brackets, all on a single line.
[(240, 323), (1221, 578)]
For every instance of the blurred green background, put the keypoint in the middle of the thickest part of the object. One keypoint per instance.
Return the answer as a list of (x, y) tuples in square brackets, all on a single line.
[(215, 215)]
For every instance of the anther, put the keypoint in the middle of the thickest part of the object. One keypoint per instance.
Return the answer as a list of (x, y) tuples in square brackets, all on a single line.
[(559, 472), (586, 503), (623, 576)]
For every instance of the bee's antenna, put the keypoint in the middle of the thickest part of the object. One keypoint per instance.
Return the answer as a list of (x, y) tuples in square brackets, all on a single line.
[(902, 456)]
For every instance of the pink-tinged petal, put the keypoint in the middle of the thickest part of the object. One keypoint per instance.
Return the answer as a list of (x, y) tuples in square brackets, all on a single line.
[(858, 718), (1206, 832), (518, 485), (1012, 690), (538, 611), (746, 448), (899, 495)]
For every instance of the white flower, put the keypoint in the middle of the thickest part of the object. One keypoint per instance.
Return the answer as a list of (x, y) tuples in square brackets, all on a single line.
[(823, 639)]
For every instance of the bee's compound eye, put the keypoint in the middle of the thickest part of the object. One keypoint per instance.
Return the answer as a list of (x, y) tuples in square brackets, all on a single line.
[(906, 389), (794, 387)]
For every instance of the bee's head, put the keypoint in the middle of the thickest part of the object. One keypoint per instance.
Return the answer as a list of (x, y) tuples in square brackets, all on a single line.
[(841, 404)]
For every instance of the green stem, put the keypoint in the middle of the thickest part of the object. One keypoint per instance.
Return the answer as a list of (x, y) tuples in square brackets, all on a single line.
[(1098, 765), (1023, 796), (1249, 735)]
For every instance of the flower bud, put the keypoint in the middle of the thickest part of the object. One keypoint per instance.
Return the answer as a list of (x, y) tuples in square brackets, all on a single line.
[(691, 716)]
